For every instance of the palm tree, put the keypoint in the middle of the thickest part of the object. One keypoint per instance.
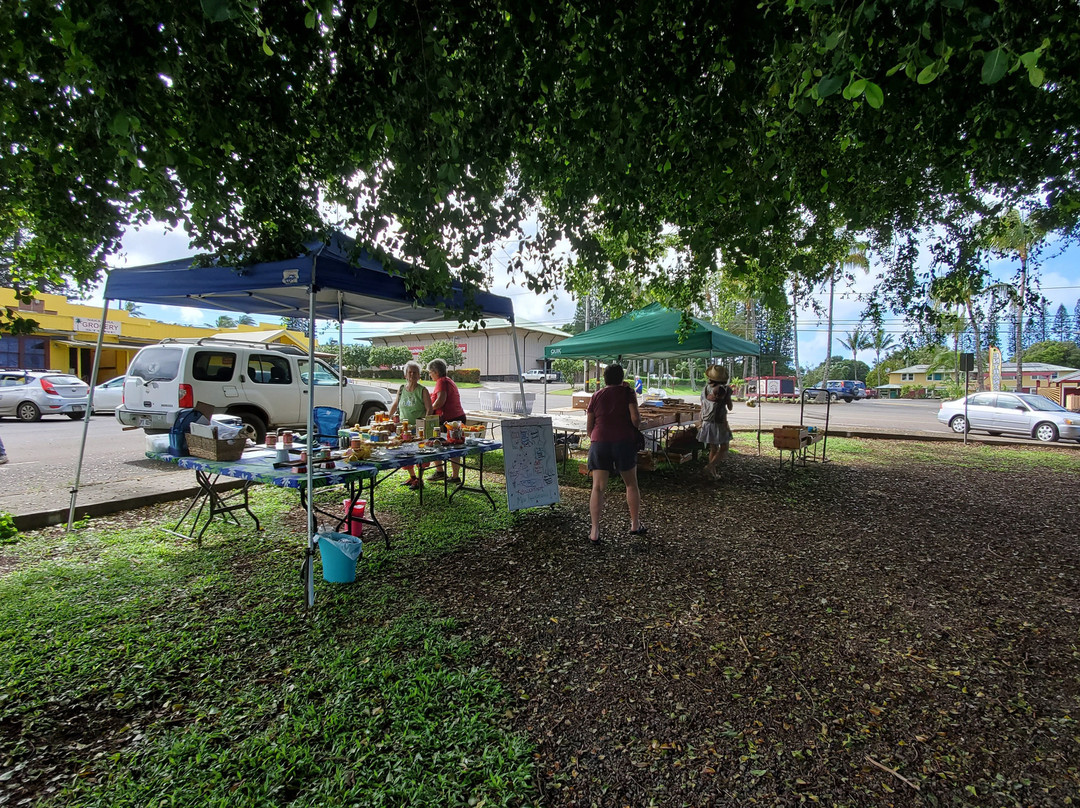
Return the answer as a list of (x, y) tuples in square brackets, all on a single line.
[(245, 319), (881, 342), (855, 341), (962, 289), (1017, 236), (225, 321), (856, 257), (132, 308)]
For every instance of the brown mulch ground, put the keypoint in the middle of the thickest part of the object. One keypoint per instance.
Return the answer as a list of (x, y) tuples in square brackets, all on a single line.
[(855, 633), (897, 628)]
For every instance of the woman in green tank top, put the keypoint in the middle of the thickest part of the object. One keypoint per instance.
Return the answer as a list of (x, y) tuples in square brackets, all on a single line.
[(413, 401)]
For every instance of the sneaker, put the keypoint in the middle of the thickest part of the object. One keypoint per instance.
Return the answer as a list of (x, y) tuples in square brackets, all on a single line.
[(454, 480), (438, 475), (415, 483), (3, 459), (409, 482)]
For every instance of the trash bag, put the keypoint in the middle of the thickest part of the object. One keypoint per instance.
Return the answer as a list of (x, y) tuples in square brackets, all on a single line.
[(339, 552)]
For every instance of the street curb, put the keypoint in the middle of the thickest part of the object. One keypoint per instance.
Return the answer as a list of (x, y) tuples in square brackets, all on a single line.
[(58, 516)]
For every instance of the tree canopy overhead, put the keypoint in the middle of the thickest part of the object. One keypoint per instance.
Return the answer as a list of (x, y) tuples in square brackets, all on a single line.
[(761, 132)]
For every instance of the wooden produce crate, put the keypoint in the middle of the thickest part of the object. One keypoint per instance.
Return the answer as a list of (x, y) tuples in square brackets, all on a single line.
[(790, 438), (580, 401), (646, 461)]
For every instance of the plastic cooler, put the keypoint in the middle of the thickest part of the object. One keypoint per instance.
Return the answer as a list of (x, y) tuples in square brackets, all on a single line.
[(353, 525)]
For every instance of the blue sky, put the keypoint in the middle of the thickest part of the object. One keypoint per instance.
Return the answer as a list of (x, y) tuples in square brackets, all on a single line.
[(1057, 272)]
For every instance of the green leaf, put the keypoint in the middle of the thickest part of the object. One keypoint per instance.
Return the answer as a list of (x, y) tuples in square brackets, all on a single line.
[(1036, 76), (994, 66), (388, 132), (833, 39), (120, 125), (874, 96), (219, 10), (855, 89), (266, 48), (828, 85), (928, 74), (372, 17)]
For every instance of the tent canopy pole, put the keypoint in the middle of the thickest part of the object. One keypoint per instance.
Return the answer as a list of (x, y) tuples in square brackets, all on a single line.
[(88, 414)]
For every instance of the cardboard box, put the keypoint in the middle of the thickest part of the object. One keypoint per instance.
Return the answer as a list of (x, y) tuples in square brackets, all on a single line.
[(790, 438), (646, 461), (580, 401)]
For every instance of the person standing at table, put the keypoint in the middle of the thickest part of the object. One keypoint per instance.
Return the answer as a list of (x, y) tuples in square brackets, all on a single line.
[(715, 403), (3, 454), (446, 403), (412, 403), (612, 423)]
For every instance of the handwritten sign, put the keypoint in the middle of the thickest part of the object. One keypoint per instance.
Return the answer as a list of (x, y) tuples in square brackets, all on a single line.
[(532, 475)]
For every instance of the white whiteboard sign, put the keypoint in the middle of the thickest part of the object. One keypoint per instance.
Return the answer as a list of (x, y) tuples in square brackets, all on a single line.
[(532, 475)]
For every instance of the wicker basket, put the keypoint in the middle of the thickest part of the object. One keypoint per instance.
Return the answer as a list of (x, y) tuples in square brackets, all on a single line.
[(211, 449)]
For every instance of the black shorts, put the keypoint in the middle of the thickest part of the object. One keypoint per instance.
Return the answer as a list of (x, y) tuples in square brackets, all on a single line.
[(617, 456)]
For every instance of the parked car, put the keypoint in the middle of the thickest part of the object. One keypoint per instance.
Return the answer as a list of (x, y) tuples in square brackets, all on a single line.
[(538, 375), (1025, 414), (860, 390), (873, 392), (30, 394), (109, 395), (265, 384), (835, 389)]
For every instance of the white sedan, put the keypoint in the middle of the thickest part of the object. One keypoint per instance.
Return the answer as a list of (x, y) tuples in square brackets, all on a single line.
[(109, 395)]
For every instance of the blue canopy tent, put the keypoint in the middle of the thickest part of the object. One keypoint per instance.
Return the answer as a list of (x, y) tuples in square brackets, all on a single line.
[(331, 280)]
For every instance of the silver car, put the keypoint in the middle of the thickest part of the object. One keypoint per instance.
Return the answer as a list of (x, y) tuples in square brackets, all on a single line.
[(30, 394), (1017, 413)]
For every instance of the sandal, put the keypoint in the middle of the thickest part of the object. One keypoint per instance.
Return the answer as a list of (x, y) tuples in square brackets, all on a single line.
[(415, 483), (438, 475), (409, 483), (454, 480), (641, 531)]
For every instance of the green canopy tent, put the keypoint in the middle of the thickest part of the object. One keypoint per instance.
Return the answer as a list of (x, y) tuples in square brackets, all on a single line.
[(651, 333)]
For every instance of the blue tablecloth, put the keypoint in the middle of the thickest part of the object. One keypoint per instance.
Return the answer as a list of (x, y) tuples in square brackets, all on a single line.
[(257, 465)]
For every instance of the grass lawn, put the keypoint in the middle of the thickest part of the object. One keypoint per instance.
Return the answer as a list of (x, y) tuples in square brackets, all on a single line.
[(896, 627)]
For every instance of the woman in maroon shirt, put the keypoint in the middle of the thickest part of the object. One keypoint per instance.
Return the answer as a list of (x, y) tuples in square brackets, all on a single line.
[(446, 402), (612, 424)]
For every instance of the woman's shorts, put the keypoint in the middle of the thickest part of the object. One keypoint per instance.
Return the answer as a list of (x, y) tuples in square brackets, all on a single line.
[(617, 456)]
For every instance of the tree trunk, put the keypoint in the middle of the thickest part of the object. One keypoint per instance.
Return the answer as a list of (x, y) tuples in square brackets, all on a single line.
[(795, 332), (979, 386), (1020, 323), (828, 337)]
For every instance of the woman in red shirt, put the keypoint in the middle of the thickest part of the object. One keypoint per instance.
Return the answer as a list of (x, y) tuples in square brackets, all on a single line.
[(612, 424), (446, 402)]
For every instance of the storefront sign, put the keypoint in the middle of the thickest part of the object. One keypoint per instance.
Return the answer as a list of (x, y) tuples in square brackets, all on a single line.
[(995, 369), (85, 324)]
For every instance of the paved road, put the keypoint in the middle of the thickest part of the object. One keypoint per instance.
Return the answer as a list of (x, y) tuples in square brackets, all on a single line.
[(37, 483)]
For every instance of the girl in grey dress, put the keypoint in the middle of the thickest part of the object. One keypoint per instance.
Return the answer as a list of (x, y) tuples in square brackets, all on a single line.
[(715, 404)]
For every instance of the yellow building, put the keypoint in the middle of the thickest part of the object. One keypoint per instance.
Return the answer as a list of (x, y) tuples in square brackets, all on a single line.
[(1036, 375), (66, 336)]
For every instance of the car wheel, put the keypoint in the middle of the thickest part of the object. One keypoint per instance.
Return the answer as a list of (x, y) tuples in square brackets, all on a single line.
[(28, 411), (1046, 432), (958, 424), (368, 411), (832, 397), (254, 428), (76, 416)]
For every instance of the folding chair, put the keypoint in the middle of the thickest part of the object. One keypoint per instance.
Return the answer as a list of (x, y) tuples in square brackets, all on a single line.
[(328, 420)]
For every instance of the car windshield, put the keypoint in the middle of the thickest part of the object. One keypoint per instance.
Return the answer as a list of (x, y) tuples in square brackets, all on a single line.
[(156, 364), (1042, 404)]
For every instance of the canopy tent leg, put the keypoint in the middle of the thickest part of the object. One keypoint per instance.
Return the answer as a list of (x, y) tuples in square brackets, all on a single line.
[(309, 559), (87, 415), (521, 381)]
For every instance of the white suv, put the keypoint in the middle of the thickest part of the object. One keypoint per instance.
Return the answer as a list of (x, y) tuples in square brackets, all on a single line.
[(264, 384)]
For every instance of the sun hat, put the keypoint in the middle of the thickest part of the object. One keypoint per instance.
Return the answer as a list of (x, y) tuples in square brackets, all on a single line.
[(716, 373)]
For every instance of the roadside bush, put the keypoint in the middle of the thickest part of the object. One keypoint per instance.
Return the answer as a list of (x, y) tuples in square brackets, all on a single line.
[(468, 375), (8, 532)]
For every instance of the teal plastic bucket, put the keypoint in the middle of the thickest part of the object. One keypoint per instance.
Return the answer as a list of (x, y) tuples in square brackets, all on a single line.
[(339, 552)]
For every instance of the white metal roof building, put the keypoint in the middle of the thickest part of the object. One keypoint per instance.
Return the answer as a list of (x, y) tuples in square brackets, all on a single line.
[(491, 349)]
